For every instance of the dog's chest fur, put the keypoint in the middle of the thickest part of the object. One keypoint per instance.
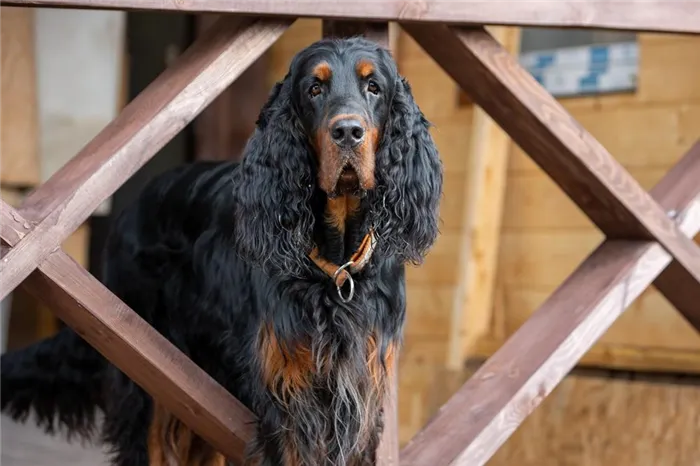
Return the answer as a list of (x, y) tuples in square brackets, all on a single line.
[(328, 376)]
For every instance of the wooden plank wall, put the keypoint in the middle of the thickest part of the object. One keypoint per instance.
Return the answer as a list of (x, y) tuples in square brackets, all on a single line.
[(545, 236), (595, 421)]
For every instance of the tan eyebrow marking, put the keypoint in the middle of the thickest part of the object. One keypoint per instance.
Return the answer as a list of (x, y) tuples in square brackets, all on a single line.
[(323, 71), (364, 68)]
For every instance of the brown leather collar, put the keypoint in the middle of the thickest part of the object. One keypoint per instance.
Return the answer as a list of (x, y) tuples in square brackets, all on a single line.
[(341, 273)]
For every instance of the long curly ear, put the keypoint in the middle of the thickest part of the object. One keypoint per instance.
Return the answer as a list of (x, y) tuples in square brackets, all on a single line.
[(409, 170), (273, 187)]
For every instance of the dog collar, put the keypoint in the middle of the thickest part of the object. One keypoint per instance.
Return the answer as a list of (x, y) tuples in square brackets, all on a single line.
[(342, 273)]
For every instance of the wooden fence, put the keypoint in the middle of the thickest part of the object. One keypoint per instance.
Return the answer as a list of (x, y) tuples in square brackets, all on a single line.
[(649, 234)]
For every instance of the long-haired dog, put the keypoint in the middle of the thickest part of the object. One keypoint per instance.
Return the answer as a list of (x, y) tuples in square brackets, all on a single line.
[(282, 276)]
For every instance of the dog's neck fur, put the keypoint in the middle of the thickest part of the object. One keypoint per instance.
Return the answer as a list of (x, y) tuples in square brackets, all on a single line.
[(340, 227)]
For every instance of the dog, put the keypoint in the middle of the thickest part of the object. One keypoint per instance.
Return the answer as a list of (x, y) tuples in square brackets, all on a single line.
[(282, 276)]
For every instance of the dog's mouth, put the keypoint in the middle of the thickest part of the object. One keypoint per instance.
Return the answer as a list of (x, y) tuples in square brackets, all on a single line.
[(348, 182)]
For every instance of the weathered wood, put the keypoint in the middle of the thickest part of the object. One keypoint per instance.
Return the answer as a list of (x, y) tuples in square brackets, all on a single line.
[(482, 415), (673, 282), (574, 159), (146, 125), (642, 15), (135, 347)]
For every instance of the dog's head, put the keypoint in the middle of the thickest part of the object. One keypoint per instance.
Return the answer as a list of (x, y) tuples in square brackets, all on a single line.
[(342, 122), (343, 102)]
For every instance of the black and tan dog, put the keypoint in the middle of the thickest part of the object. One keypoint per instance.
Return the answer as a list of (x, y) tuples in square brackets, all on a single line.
[(281, 276)]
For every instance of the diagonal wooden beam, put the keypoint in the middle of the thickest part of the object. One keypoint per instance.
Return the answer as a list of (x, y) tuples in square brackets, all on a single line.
[(68, 198), (135, 347), (483, 414), (673, 282), (574, 159), (639, 15)]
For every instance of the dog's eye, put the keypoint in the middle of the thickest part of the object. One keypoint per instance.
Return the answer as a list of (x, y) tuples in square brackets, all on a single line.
[(315, 89), (373, 87)]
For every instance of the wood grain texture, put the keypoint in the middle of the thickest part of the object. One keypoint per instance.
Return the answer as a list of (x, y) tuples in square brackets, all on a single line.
[(673, 282), (481, 416), (145, 126), (135, 347), (619, 357), (600, 421), (19, 157), (678, 16), (574, 159)]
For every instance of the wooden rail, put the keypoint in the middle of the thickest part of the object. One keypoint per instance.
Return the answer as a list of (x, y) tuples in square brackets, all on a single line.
[(132, 345), (648, 234), (52, 212), (68, 198), (680, 16), (571, 156), (515, 380)]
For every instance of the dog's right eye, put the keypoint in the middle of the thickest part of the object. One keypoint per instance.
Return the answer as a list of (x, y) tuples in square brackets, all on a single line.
[(315, 89)]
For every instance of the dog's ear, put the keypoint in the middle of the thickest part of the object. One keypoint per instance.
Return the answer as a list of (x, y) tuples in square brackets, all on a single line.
[(274, 184), (409, 171)]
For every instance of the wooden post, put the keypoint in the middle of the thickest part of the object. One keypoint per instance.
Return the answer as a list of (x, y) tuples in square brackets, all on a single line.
[(484, 192), (222, 130)]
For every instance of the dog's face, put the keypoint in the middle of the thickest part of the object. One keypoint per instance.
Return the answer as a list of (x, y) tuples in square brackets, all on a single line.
[(342, 122), (344, 98)]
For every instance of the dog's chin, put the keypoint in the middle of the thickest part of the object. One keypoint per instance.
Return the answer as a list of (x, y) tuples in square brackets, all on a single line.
[(348, 184)]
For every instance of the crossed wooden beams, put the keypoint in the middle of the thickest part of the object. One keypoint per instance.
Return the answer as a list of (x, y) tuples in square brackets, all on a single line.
[(648, 237)]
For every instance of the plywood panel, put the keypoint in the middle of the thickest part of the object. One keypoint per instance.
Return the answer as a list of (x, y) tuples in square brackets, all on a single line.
[(534, 201), (649, 323), (601, 422), (428, 311), (638, 137), (19, 160), (440, 265), (452, 135), (452, 214), (542, 259)]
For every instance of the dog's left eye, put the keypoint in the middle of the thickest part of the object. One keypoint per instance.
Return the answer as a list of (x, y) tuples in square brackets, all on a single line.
[(373, 87), (315, 89)]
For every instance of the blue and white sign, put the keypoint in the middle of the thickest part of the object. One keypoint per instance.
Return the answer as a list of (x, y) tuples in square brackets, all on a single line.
[(591, 69)]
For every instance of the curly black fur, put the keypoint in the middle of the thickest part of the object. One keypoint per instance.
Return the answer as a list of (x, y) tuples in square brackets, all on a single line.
[(216, 257)]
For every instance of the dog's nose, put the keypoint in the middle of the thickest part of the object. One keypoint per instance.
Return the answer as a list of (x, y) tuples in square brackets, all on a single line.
[(347, 133)]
